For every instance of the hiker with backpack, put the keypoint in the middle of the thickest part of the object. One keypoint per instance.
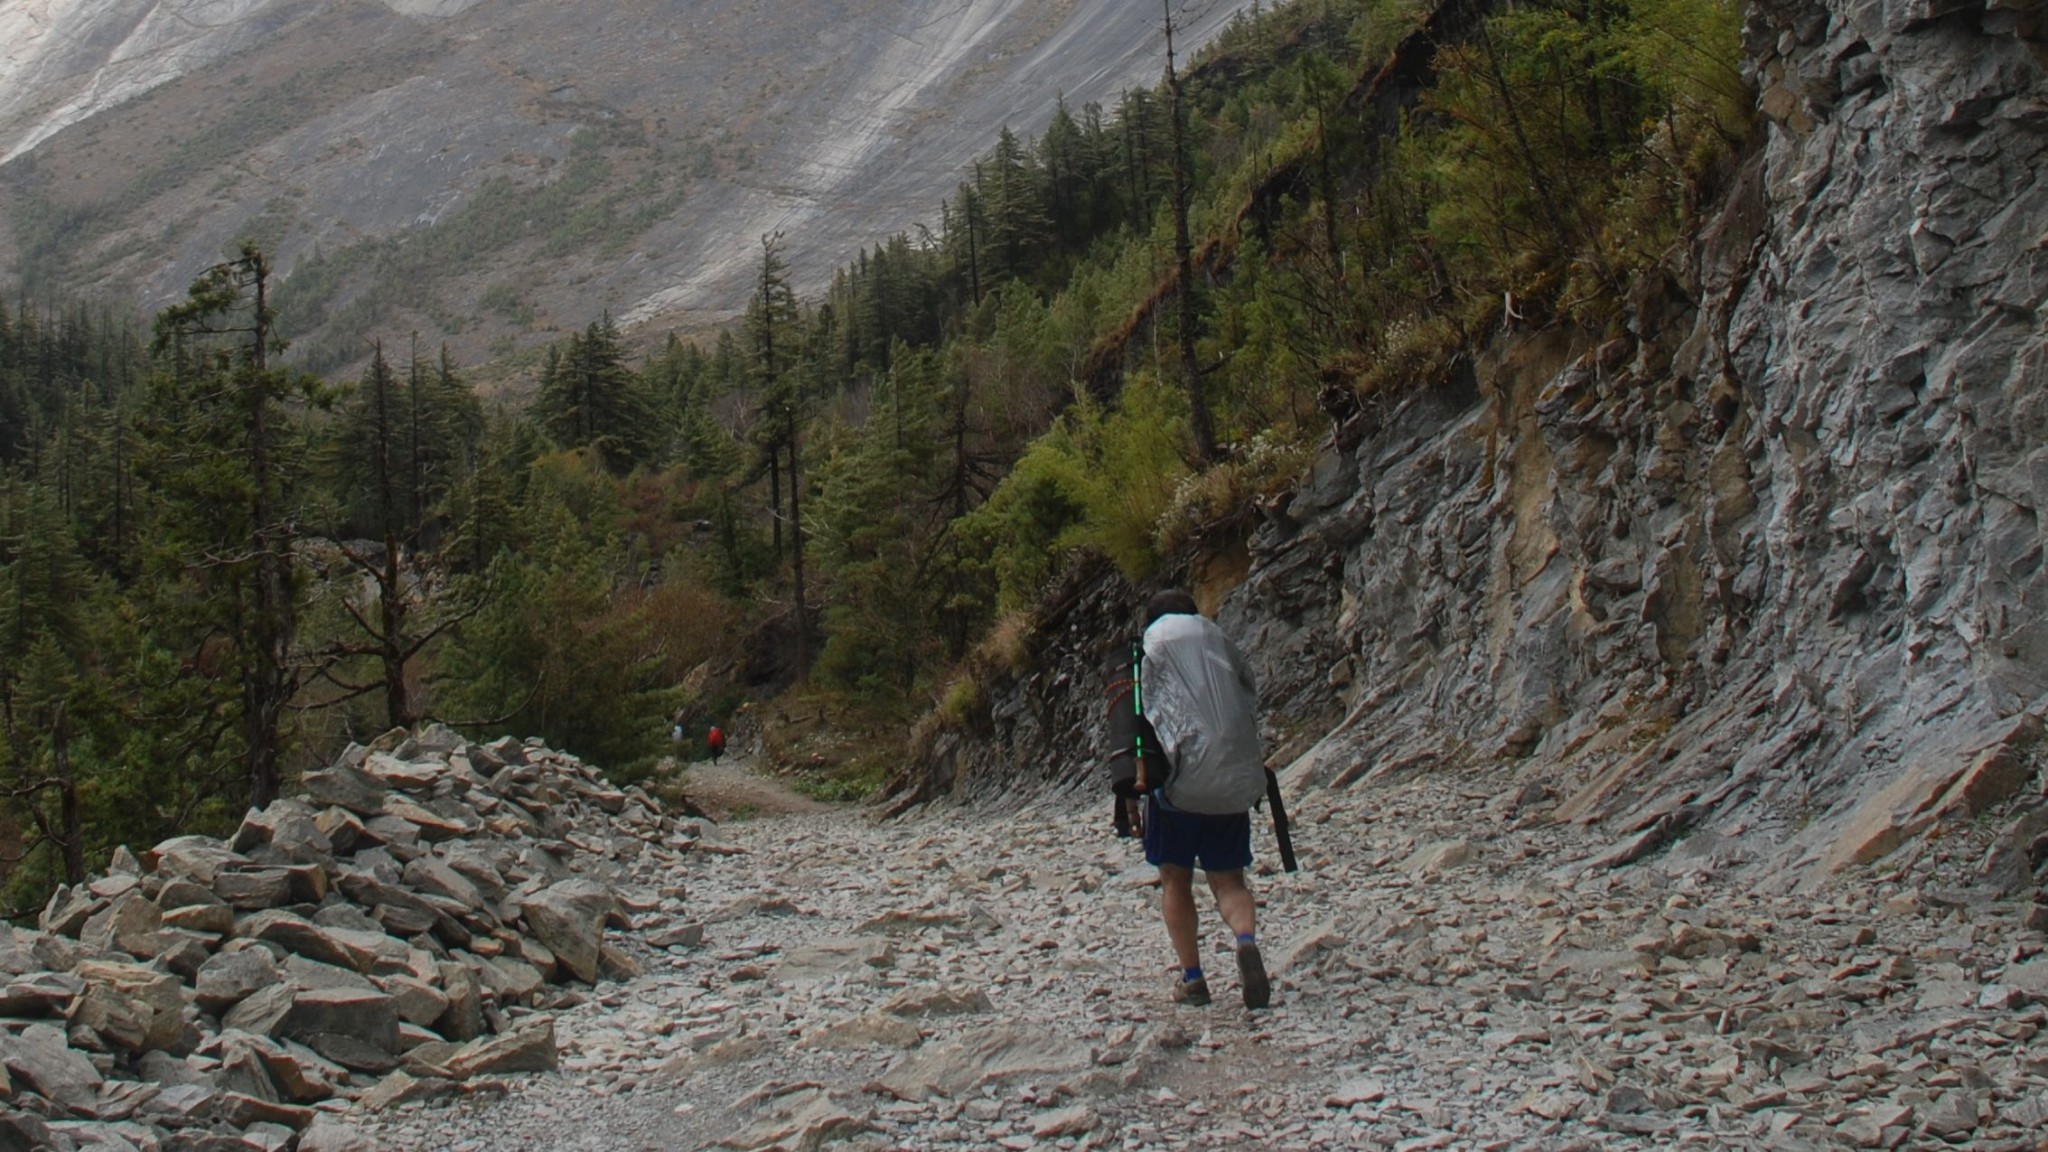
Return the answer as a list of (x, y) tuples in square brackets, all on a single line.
[(714, 739), (1198, 706)]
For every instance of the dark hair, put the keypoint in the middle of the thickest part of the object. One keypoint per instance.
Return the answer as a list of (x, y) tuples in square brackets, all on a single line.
[(1170, 602)]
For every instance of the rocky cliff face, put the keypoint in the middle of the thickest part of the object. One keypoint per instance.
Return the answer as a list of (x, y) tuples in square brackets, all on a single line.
[(1770, 568)]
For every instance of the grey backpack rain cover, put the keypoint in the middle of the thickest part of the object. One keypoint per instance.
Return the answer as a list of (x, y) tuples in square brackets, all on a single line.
[(1200, 697)]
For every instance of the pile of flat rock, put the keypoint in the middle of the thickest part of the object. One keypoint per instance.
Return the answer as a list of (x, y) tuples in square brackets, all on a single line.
[(404, 929)]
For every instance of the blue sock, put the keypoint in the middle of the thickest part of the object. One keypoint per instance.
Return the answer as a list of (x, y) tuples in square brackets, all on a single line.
[(1247, 937), (1190, 975)]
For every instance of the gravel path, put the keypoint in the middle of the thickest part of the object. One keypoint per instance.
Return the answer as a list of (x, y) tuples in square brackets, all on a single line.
[(730, 790), (1447, 976)]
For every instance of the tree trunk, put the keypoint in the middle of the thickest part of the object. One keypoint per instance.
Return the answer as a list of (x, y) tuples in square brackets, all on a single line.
[(70, 833), (266, 689), (1200, 424), (775, 497), (796, 549), (416, 483)]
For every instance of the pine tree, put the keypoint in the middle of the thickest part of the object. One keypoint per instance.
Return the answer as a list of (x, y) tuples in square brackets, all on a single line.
[(772, 321), (1017, 218), (226, 462), (589, 398), (392, 455)]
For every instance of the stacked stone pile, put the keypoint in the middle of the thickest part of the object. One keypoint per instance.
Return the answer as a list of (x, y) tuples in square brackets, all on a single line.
[(406, 928)]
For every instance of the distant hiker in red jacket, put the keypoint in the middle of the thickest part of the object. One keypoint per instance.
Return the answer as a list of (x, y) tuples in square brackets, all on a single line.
[(715, 738)]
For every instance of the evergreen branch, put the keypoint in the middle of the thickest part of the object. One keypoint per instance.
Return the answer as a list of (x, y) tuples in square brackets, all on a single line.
[(497, 720)]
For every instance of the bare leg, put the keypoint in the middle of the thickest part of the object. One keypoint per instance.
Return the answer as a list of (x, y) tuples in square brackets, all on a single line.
[(1177, 890), (1233, 901)]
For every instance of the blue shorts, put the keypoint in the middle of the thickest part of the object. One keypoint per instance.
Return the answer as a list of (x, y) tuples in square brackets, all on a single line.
[(1219, 843)]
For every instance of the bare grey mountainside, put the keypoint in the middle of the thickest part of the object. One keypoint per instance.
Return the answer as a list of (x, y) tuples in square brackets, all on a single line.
[(698, 126), (1766, 574)]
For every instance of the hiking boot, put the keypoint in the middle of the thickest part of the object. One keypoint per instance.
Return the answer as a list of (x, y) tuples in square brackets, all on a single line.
[(1251, 970), (1193, 993)]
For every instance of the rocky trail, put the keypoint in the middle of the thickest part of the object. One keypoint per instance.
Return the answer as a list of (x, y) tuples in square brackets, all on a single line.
[(458, 947), (1450, 975)]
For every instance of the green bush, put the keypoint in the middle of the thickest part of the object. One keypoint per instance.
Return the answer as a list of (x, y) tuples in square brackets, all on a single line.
[(1099, 479)]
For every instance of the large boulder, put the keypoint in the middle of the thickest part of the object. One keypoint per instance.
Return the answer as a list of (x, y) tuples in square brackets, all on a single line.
[(230, 977), (216, 918), (286, 831), (430, 874), (17, 951), (130, 924), (141, 1006), (40, 994), (464, 1019), (530, 1049), (297, 934), (69, 909), (343, 828), (457, 823), (261, 1012), (177, 893), (418, 1002), (569, 919), (253, 889), (194, 858), (360, 1014), (349, 787), (41, 1058), (121, 1022), (411, 775)]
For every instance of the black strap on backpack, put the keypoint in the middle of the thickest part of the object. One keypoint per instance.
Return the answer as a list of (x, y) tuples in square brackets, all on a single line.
[(1280, 826)]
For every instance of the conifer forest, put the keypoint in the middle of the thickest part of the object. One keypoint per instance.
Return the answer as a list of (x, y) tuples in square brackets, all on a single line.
[(222, 557)]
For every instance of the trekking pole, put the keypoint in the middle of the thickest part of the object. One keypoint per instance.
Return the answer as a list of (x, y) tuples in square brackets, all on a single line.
[(1280, 831), (1138, 708)]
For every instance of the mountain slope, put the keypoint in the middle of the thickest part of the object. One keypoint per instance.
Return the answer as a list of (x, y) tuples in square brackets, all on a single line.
[(492, 172), (1750, 579)]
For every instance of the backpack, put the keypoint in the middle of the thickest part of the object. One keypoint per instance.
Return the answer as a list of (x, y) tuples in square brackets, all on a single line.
[(1200, 699), (715, 738), (1202, 706)]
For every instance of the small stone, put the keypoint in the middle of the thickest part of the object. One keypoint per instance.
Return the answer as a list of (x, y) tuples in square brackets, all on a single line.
[(1355, 1092), (326, 1134), (690, 935), (1952, 1114), (242, 1111), (1440, 857)]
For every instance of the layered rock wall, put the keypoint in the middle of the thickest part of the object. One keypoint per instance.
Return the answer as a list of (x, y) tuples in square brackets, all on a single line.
[(1772, 563)]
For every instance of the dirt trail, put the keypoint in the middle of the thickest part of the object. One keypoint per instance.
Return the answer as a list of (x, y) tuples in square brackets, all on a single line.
[(730, 789)]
